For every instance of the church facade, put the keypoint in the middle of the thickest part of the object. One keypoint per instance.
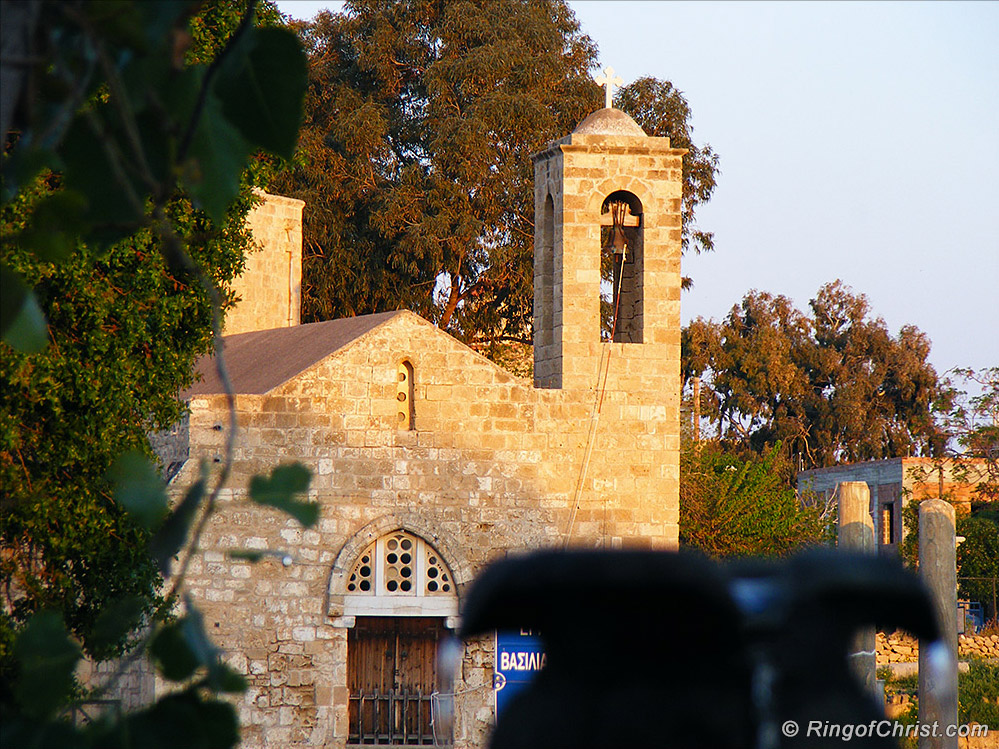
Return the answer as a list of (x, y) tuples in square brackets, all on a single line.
[(429, 461)]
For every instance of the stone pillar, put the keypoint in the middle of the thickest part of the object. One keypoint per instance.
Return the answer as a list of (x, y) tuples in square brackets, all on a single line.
[(938, 666), (856, 535)]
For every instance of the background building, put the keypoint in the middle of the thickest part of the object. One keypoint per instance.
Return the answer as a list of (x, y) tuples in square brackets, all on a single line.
[(895, 482)]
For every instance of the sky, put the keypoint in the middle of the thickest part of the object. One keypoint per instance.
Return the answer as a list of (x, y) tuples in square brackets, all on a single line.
[(857, 141)]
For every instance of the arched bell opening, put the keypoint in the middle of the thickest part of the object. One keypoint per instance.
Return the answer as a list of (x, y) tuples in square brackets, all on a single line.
[(621, 268)]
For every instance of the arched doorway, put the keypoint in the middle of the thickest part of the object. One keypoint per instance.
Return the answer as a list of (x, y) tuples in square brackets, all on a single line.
[(400, 593)]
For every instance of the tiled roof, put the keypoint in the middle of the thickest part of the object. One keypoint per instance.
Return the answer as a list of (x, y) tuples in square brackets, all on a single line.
[(263, 359)]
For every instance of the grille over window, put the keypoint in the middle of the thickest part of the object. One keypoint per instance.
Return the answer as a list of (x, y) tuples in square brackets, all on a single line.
[(400, 564)]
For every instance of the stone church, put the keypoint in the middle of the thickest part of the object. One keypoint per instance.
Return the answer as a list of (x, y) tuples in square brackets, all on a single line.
[(429, 461)]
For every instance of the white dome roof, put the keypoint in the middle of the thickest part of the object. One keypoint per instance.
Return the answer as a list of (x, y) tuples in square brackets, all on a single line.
[(609, 121)]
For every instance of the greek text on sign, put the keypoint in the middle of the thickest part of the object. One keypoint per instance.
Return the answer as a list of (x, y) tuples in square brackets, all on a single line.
[(522, 661), (519, 656)]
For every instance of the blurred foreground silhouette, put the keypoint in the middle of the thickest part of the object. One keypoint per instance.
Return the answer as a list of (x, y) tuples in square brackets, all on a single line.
[(674, 650)]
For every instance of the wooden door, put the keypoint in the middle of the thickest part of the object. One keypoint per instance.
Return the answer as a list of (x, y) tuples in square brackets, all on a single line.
[(392, 676)]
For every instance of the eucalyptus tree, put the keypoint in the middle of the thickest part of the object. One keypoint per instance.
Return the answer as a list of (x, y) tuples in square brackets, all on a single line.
[(833, 386), (415, 160)]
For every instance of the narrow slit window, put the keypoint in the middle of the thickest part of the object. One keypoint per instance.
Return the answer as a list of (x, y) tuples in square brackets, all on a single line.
[(888, 523), (546, 278), (405, 393)]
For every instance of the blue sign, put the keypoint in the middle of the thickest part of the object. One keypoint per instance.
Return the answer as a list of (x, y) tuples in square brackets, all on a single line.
[(519, 656)]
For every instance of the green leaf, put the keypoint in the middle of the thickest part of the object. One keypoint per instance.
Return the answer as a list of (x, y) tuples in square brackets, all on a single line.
[(193, 628), (21, 731), (173, 533), (180, 648), (222, 678), (114, 622), (185, 719), (219, 724), (279, 489), (56, 225), (157, 148), (139, 488), (159, 17), (219, 154), (21, 318), (120, 23), (172, 652), (21, 166), (261, 86), (89, 172), (47, 658)]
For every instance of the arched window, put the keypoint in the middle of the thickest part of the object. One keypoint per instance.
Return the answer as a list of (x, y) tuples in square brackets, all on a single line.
[(400, 564), (545, 275), (621, 268), (405, 395)]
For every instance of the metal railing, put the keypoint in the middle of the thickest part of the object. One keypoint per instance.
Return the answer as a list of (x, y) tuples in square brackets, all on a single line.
[(85, 712), (985, 586), (395, 717)]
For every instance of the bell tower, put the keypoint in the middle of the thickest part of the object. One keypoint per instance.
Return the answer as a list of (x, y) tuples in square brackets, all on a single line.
[(606, 253), (607, 322)]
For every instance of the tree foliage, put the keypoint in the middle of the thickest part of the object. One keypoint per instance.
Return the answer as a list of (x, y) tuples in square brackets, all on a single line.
[(124, 318), (734, 506), (420, 122), (978, 557), (969, 416), (123, 208), (663, 111), (977, 554), (833, 386), (123, 333), (421, 118)]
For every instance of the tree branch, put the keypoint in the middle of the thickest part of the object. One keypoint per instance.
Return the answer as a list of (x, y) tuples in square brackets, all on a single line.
[(245, 23)]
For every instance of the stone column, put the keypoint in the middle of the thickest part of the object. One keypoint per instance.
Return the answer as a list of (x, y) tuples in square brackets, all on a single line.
[(938, 666), (856, 535)]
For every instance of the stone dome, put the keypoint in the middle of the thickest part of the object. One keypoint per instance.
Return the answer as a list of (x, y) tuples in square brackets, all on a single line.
[(609, 121)]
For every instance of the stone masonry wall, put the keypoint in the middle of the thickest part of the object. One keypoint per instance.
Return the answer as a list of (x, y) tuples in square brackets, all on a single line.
[(490, 468), (899, 647), (270, 287)]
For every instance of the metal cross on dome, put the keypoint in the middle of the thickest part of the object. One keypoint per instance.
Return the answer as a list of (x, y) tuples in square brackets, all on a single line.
[(608, 80)]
